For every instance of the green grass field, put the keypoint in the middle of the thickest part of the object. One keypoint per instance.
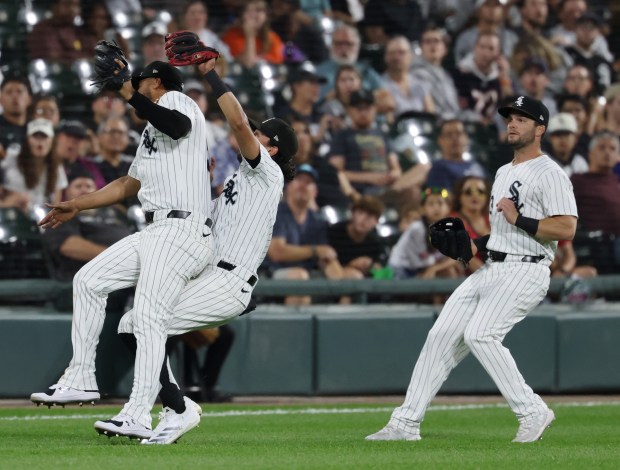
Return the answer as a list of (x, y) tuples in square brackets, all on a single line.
[(317, 437)]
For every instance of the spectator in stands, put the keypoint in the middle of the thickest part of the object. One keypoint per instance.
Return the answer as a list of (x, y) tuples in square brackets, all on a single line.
[(356, 241), (565, 263), (490, 19), (15, 97), (195, 17), (299, 247), (347, 11), (303, 40), (568, 13), (59, 38), (153, 44), (32, 175), (578, 107), (112, 161), (413, 255), (98, 25), (345, 49), (609, 119), (348, 79), (76, 242), (427, 70), (483, 78), (251, 39), (306, 90), (384, 19), (454, 162), (534, 15), (470, 203), (334, 189), (533, 82), (69, 149), (45, 107), (578, 81), (585, 51), (596, 192), (363, 151), (562, 132), (408, 94)]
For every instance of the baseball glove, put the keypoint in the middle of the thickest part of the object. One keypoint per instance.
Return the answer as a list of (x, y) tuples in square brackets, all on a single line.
[(105, 78), (186, 48), (450, 238)]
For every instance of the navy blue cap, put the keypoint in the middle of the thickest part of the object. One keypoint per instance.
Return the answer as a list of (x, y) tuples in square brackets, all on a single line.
[(307, 168)]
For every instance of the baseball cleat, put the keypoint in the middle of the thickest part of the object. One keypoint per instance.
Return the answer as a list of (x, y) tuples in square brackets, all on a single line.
[(173, 425), (59, 395), (391, 433), (123, 425), (531, 429)]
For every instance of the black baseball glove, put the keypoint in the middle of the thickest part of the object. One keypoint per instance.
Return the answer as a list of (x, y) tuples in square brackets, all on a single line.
[(450, 238), (109, 75), (186, 48)]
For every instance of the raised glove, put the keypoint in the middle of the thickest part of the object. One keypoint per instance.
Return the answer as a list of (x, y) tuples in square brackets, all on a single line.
[(450, 238), (105, 78), (186, 48)]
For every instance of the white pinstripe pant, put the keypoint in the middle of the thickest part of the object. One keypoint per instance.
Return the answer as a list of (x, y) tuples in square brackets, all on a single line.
[(160, 260), (476, 318)]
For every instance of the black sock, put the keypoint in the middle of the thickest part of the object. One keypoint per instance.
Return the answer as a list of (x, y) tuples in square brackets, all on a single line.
[(216, 355)]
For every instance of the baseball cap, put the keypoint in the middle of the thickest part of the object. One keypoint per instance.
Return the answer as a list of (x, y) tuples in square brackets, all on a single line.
[(307, 168), (167, 73), (155, 28), (359, 97), (76, 173), (281, 134), (193, 85), (562, 122), (479, 3), (304, 75), (534, 62), (530, 107), (42, 126), (590, 17), (73, 128)]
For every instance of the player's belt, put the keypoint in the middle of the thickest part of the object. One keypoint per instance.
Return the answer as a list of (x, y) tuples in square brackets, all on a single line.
[(173, 214), (498, 257), (230, 267)]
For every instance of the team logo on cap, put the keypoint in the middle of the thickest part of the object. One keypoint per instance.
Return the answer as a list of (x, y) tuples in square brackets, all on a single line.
[(519, 101), (542, 118)]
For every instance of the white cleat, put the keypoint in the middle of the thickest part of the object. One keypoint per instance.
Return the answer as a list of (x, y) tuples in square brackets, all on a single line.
[(531, 429), (173, 425), (123, 425), (59, 395), (391, 433)]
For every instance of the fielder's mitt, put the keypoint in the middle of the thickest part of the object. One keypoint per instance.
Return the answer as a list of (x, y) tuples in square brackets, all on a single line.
[(186, 48), (450, 238), (105, 78)]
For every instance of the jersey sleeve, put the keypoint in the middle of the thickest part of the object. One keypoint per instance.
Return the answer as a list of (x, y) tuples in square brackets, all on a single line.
[(558, 197), (182, 103), (267, 172), (133, 169)]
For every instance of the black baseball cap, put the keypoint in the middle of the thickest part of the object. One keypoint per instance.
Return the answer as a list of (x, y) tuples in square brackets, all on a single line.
[(359, 97), (169, 75), (590, 17), (72, 127), (281, 134), (304, 75), (309, 170), (529, 107)]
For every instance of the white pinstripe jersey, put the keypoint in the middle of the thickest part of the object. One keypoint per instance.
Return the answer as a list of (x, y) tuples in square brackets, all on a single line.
[(173, 173), (245, 212), (540, 189)]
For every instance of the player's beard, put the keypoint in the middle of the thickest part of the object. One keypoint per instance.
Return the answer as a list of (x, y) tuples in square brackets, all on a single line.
[(525, 139)]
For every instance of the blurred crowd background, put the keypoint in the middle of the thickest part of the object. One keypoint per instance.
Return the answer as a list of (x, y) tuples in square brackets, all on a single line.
[(393, 101)]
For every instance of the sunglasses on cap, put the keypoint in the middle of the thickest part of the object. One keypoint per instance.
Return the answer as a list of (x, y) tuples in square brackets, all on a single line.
[(443, 192)]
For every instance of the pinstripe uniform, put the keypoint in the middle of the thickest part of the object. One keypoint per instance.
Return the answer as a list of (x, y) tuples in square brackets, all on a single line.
[(159, 261), (243, 222), (485, 307)]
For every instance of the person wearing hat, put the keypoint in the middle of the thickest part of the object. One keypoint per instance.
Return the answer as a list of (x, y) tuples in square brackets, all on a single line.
[(534, 79), (532, 206), (32, 175), (70, 149), (610, 118), (153, 44), (562, 132), (15, 98), (171, 178)]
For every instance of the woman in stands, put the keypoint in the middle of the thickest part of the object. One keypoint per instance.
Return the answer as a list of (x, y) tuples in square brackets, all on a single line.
[(33, 176), (471, 204)]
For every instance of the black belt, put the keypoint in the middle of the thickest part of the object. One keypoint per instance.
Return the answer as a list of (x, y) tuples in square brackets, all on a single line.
[(498, 257), (229, 267), (173, 214)]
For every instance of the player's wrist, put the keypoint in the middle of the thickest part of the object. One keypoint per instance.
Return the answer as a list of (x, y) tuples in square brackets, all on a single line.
[(527, 224), (217, 85)]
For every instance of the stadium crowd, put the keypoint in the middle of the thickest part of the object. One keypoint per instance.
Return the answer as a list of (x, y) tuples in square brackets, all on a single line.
[(393, 102)]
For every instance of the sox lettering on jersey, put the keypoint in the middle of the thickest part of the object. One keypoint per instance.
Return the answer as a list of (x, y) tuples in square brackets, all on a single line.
[(149, 143), (229, 191), (514, 195)]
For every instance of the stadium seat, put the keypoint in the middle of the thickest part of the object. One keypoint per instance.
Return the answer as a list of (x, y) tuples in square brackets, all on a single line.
[(21, 247)]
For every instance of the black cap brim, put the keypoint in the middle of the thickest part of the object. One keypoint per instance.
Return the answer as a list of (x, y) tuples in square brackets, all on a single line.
[(254, 125), (505, 111)]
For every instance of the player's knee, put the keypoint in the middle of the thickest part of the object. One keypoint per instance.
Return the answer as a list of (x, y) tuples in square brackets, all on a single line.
[(473, 338), (298, 274), (83, 281)]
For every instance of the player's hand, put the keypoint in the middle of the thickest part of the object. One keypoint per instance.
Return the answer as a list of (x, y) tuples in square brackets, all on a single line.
[(207, 66), (507, 207), (326, 253), (61, 212)]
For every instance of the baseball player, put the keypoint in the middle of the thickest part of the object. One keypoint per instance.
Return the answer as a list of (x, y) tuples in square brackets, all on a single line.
[(244, 216), (170, 176), (532, 206)]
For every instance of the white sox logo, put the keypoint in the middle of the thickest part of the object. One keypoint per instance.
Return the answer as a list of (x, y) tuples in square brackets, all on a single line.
[(519, 101), (149, 143), (514, 193), (229, 191)]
